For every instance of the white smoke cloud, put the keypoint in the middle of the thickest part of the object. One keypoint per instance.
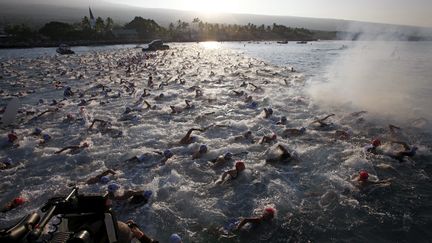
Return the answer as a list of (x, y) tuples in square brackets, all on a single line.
[(381, 73)]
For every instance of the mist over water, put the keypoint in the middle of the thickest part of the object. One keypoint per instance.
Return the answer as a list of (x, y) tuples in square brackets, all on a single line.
[(388, 77)]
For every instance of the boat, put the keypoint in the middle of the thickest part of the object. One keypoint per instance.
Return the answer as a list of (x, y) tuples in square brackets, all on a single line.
[(301, 42), (283, 42), (64, 49), (156, 45)]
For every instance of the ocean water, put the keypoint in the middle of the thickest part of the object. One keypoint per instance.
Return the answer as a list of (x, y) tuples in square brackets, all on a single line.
[(313, 195)]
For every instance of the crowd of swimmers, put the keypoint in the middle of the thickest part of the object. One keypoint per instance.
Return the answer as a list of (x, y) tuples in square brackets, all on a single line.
[(159, 158)]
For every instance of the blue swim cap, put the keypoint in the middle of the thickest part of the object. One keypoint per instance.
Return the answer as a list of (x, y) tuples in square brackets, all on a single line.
[(302, 129), (283, 118), (113, 187), (270, 110), (168, 153), (105, 180), (46, 137), (228, 156), (8, 161), (147, 194), (203, 148), (175, 238), (253, 104), (128, 109), (37, 131), (142, 157)]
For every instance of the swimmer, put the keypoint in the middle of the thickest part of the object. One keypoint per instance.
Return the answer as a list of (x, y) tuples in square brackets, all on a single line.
[(188, 139), (198, 93), (247, 136), (290, 132), (284, 157), (102, 178), (268, 215), (222, 159), (268, 139), (362, 180), (128, 194), (373, 146), (150, 83), (257, 88), (6, 164), (201, 151), (283, 121), (188, 105), (68, 92), (159, 97), (16, 202), (154, 107), (73, 148), (407, 152), (103, 124), (175, 238), (167, 154), (268, 112), (45, 139), (233, 173), (140, 235), (322, 122)]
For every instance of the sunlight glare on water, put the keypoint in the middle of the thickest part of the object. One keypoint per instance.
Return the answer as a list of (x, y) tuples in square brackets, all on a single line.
[(210, 44)]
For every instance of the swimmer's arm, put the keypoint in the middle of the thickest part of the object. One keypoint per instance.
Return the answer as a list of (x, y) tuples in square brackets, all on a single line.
[(248, 220), (68, 147), (325, 118), (148, 104), (283, 149)]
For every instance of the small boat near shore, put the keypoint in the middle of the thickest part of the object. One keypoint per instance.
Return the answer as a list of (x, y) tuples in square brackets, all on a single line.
[(283, 42), (156, 45), (301, 42), (64, 49)]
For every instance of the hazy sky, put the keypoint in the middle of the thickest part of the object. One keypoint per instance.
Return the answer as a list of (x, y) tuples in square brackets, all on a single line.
[(407, 12)]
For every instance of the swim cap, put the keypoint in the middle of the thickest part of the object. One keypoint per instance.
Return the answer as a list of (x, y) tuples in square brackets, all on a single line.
[(363, 175), (12, 137), (37, 131), (283, 118), (203, 148), (254, 104), (175, 238), (302, 130), (228, 156), (8, 161), (376, 142), (85, 145), (46, 137), (113, 187), (270, 111), (270, 211), (239, 165), (128, 109), (168, 153), (274, 136), (18, 201), (104, 179), (147, 194)]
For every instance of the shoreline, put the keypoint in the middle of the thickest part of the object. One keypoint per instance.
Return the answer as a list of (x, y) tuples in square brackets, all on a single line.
[(107, 43)]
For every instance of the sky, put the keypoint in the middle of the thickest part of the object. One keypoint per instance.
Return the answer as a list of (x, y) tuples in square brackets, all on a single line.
[(404, 12)]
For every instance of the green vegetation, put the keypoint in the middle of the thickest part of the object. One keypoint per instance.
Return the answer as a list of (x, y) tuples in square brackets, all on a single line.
[(142, 30)]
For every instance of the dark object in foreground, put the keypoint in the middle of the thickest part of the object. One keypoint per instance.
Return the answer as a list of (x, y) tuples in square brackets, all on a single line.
[(64, 50), (156, 45), (86, 219)]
